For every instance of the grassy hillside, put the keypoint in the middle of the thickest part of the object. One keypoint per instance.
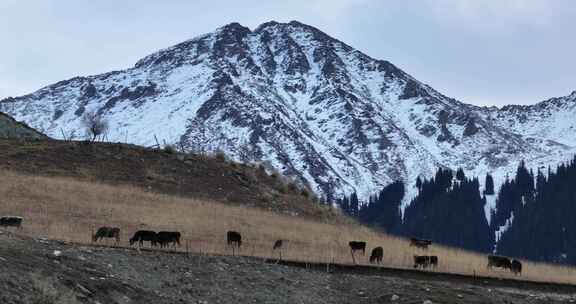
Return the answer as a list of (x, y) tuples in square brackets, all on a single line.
[(10, 128), (68, 209), (209, 178)]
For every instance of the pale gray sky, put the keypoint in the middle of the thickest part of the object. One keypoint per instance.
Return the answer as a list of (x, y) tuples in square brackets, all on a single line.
[(479, 51)]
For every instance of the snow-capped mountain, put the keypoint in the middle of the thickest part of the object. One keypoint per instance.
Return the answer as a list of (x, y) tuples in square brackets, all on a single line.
[(311, 106)]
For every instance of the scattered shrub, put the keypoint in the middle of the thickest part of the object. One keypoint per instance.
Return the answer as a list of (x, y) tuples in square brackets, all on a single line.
[(261, 170), (292, 186), (283, 188), (220, 156), (169, 149), (317, 200)]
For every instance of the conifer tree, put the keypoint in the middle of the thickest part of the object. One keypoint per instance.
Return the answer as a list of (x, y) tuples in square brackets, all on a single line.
[(489, 185)]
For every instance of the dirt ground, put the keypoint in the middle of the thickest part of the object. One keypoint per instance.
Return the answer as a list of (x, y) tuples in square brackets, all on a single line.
[(45, 271)]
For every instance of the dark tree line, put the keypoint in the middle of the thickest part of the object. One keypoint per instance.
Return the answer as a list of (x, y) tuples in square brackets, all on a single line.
[(544, 208), (512, 195), (349, 205), (448, 209), (383, 209)]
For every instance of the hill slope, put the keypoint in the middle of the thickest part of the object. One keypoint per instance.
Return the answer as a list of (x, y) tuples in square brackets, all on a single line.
[(185, 175), (52, 258), (312, 106), (10, 128)]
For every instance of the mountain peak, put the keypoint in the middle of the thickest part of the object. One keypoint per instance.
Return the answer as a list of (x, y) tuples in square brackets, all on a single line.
[(268, 24), (234, 26), (273, 23), (293, 26)]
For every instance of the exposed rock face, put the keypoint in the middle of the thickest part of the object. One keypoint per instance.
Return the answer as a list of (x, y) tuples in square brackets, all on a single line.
[(310, 105)]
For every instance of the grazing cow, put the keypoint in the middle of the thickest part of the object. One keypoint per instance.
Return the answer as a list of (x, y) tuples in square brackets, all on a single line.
[(11, 221), (377, 254), (357, 246), (421, 261), (107, 232), (433, 261), (166, 237), (419, 243), (499, 262), (144, 235), (516, 267), (234, 239), (278, 245)]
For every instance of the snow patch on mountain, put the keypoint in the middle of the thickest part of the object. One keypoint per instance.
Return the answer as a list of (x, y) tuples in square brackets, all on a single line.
[(501, 230)]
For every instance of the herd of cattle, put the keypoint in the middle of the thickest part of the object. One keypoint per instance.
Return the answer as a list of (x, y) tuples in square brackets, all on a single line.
[(420, 261), (161, 239), (503, 262), (164, 239)]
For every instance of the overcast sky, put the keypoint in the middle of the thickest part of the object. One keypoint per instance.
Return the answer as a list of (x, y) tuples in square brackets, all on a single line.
[(490, 52)]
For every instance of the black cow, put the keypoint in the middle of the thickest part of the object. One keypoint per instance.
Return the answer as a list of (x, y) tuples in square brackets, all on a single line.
[(142, 236), (107, 232), (434, 261), (357, 246), (165, 238), (421, 261), (377, 254), (11, 221), (234, 239), (499, 262), (516, 267), (419, 243)]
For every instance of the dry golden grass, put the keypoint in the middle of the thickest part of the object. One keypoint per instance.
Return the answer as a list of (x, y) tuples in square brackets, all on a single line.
[(66, 209)]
